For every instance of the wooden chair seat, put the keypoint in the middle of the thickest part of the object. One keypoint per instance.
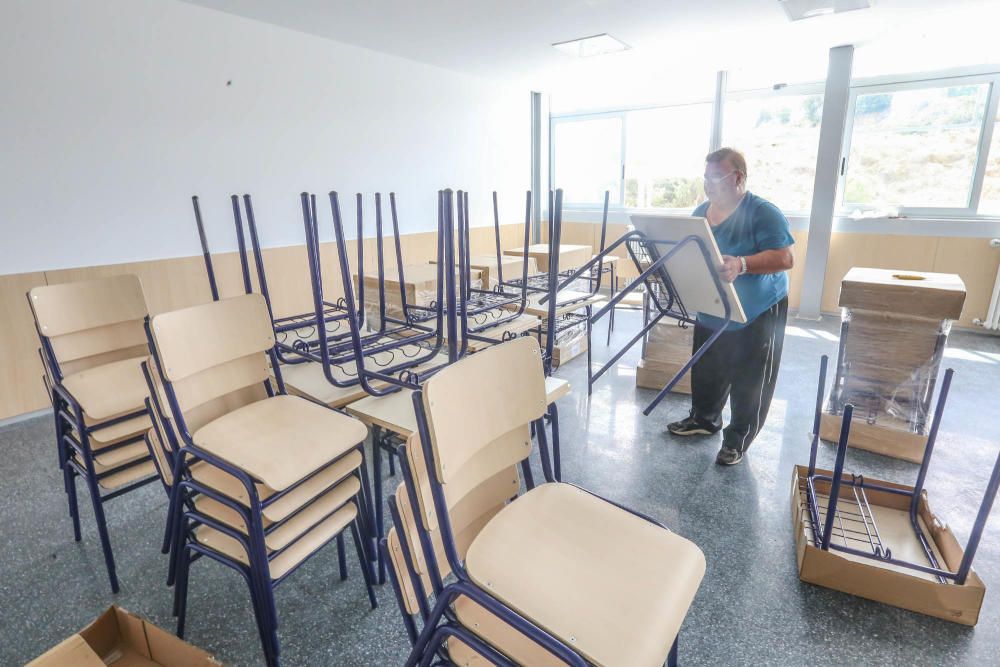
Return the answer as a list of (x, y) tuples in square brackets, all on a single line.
[(125, 475), (556, 388), (111, 435), (312, 514), (498, 634), (395, 411), (288, 559), (231, 487), (109, 390), (108, 460), (563, 306), (280, 440), (610, 584), (308, 381), (518, 325)]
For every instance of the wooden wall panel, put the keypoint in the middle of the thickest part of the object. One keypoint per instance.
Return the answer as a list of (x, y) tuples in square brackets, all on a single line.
[(20, 368), (976, 262), (175, 283)]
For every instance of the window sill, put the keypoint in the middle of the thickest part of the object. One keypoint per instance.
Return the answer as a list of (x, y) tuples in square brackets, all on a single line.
[(907, 226)]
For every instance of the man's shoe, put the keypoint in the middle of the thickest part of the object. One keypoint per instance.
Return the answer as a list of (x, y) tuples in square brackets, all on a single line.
[(693, 426), (728, 457)]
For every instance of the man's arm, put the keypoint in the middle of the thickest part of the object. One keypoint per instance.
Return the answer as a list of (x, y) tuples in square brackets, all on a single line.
[(766, 261)]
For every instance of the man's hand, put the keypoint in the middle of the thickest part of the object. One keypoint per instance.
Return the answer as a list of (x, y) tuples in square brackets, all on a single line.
[(730, 268)]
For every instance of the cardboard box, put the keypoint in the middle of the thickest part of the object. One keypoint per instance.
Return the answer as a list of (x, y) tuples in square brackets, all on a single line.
[(880, 437), (655, 375), (937, 296), (119, 638), (570, 256), (666, 350), (569, 344), (566, 352), (513, 268), (897, 323), (875, 579)]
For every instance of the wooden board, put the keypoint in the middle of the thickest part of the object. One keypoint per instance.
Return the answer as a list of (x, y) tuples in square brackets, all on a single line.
[(897, 443), (938, 296), (570, 256), (655, 375), (691, 276)]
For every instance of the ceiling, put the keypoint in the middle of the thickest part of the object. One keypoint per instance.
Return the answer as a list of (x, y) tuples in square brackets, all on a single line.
[(510, 39)]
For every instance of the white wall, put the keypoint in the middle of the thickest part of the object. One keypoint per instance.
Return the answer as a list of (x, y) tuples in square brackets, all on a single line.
[(114, 112)]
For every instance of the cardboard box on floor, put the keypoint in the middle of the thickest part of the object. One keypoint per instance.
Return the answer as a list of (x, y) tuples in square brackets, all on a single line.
[(667, 349), (655, 375), (569, 344), (880, 581), (119, 638)]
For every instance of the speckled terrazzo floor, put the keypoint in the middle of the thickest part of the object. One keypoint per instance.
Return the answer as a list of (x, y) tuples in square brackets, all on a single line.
[(751, 608)]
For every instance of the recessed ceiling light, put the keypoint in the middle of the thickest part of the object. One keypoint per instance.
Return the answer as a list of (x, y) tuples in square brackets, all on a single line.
[(807, 9), (594, 45)]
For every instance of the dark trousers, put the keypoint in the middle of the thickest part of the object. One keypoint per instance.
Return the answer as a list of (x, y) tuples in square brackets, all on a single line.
[(741, 365)]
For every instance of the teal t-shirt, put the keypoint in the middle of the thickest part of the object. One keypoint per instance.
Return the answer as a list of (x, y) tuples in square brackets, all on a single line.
[(756, 225)]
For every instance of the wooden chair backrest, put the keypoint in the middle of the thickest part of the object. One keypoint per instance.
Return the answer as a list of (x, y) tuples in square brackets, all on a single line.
[(93, 322), (214, 355), (468, 516), (475, 435)]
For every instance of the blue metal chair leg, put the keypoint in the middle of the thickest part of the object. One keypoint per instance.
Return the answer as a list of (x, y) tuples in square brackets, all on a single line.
[(379, 512), (69, 477), (341, 557), (367, 508), (102, 531), (180, 589), (365, 564), (262, 621)]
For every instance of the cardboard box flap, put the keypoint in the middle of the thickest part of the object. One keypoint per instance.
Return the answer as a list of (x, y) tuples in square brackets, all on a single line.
[(122, 639), (71, 651), (939, 296), (167, 649)]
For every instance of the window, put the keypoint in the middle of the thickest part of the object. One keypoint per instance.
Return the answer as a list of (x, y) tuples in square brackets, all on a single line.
[(779, 135), (587, 158), (914, 147), (665, 156), (989, 202)]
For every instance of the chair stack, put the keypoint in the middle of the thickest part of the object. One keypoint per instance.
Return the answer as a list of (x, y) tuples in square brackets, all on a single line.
[(262, 480), (92, 345), (558, 574)]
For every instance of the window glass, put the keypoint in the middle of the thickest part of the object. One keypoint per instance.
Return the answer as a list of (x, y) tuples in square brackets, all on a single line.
[(665, 156), (587, 159), (779, 136), (915, 148), (989, 202)]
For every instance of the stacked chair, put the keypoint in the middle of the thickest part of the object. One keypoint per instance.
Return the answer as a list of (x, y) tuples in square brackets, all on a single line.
[(557, 575), (92, 344), (261, 480)]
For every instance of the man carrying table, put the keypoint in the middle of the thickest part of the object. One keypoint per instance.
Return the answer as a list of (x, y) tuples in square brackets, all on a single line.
[(742, 365)]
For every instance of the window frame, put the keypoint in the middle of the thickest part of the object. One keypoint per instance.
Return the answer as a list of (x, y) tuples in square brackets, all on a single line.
[(970, 210)]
